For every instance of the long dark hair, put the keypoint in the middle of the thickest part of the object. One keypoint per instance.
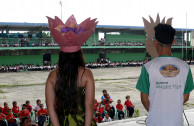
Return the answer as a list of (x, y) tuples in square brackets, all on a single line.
[(66, 84)]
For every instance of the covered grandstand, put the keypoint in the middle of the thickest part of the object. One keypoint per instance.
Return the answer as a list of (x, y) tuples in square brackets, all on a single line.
[(119, 43)]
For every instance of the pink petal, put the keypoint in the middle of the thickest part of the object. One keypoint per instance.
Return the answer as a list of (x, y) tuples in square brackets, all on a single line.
[(70, 20), (58, 21), (51, 22), (83, 24)]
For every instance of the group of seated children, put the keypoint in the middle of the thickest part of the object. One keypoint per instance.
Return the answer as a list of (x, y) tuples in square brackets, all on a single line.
[(129, 107), (11, 114), (104, 111)]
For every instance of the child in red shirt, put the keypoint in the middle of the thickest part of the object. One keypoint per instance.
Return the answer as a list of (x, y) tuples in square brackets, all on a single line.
[(28, 106), (15, 109), (5, 109), (107, 97), (2, 117), (95, 118), (110, 109), (129, 106), (24, 113), (41, 115), (119, 107), (99, 117), (11, 118), (100, 110), (95, 105)]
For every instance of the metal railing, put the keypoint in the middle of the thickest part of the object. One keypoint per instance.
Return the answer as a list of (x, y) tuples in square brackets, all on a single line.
[(49, 42)]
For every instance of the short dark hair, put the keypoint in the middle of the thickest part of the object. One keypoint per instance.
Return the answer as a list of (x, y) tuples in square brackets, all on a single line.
[(127, 96), (27, 101), (104, 91), (38, 100), (5, 103), (23, 120), (14, 102), (24, 107), (164, 34)]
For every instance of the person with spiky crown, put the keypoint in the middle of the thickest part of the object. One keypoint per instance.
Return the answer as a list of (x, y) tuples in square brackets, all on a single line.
[(70, 88), (166, 81)]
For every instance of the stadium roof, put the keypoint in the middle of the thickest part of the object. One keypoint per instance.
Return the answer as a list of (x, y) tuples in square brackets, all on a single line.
[(16, 26)]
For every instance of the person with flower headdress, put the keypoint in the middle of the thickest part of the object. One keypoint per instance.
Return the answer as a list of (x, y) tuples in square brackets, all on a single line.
[(70, 87)]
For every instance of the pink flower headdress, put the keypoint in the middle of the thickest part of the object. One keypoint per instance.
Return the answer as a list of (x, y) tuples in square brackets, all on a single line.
[(70, 36)]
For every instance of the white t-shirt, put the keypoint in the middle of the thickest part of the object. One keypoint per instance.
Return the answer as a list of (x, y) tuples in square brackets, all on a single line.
[(106, 120), (166, 79), (37, 107)]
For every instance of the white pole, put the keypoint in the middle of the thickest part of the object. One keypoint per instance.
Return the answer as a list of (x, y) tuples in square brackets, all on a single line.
[(182, 44), (61, 9), (192, 52), (186, 38), (191, 43)]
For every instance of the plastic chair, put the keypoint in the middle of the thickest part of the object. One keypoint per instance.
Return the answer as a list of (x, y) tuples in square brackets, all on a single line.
[(117, 114), (47, 119), (17, 122), (33, 116)]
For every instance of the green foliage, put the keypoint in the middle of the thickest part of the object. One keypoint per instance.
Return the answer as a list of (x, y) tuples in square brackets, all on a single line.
[(46, 35), (137, 112)]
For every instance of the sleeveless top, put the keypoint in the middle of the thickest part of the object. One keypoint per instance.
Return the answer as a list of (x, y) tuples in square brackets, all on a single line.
[(79, 118)]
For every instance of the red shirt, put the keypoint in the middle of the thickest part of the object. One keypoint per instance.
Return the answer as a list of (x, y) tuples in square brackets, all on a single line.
[(15, 110), (1, 116), (95, 106), (5, 110), (104, 101), (100, 110), (108, 108), (99, 119), (119, 107), (95, 119), (22, 114), (29, 107), (42, 111), (9, 117), (128, 103)]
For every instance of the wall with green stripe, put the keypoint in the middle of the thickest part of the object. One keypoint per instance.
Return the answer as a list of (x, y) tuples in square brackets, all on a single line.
[(25, 59), (126, 56), (38, 59)]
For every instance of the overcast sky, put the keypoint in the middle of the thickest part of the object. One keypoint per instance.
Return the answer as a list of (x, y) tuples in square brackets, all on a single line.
[(108, 12)]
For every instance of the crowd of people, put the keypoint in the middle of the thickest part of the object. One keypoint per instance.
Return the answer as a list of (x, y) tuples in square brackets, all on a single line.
[(104, 111), (14, 116), (32, 67), (118, 43), (25, 67), (114, 64), (44, 43), (26, 42)]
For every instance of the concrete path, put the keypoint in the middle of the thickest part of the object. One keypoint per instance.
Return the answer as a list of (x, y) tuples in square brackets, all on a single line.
[(137, 121)]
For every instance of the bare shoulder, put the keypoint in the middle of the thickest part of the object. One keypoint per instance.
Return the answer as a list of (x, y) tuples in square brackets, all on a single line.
[(88, 73), (52, 77)]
